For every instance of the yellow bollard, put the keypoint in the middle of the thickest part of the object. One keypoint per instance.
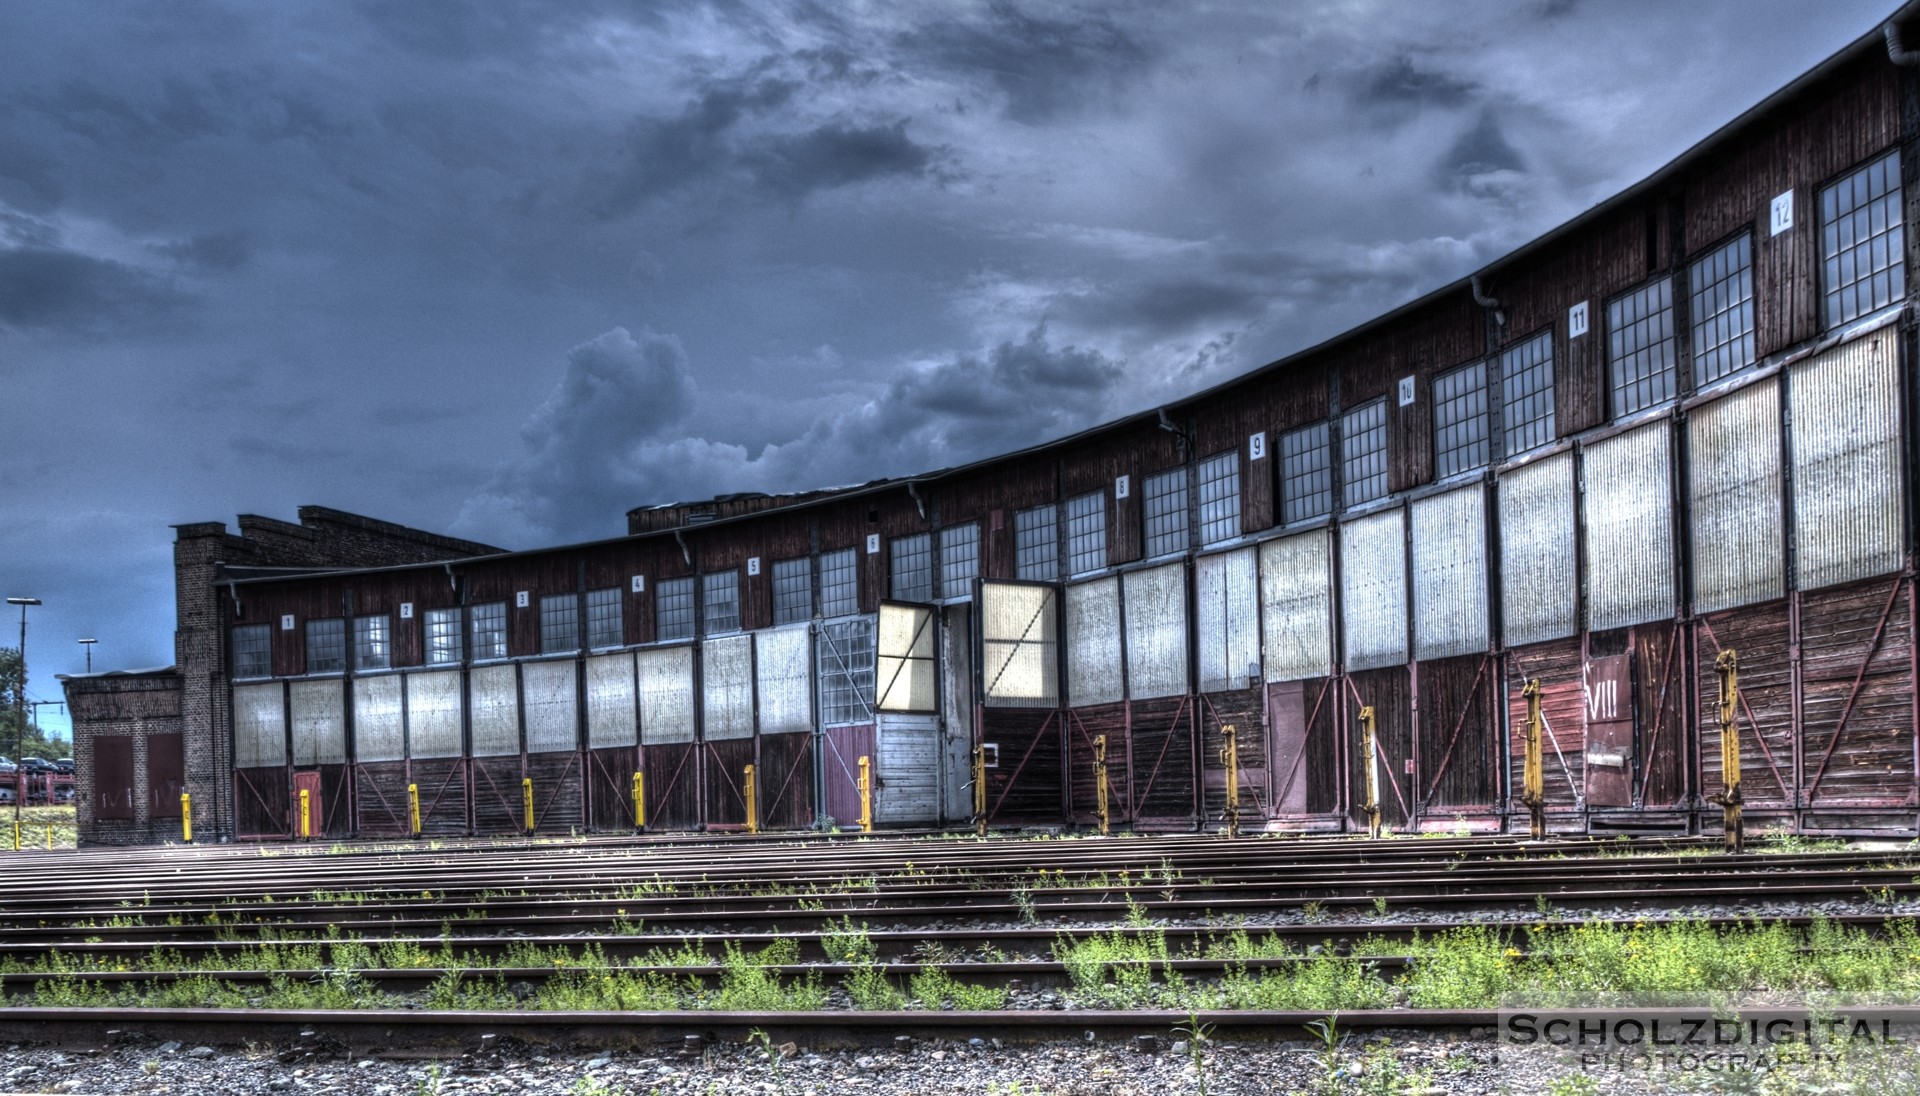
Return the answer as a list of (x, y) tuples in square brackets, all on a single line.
[(1230, 757), (639, 801), (49, 837), (866, 795), (980, 790), (413, 809), (1533, 780), (186, 817), (753, 814), (1728, 667), (1369, 751), (526, 801), (306, 816), (1100, 780), (16, 835)]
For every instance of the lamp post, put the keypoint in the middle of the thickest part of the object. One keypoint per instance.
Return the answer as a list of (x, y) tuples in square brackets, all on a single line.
[(20, 699), (88, 644)]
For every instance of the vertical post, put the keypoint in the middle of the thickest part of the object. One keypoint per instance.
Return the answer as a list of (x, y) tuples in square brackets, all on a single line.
[(1100, 780), (866, 794), (413, 809), (186, 817), (1728, 667), (1230, 757), (16, 835), (306, 815), (980, 790), (526, 802), (1533, 786), (1370, 755), (753, 813), (639, 801)]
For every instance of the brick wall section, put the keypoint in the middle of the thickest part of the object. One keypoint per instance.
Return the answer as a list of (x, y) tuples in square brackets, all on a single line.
[(139, 705)]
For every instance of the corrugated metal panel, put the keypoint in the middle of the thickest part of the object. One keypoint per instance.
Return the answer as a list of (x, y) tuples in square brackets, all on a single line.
[(1373, 590), (1018, 635), (378, 733), (553, 706), (666, 695), (1628, 507), (495, 696), (904, 672), (907, 787), (1296, 606), (259, 726), (786, 680), (318, 712), (433, 714), (1450, 574), (1733, 482), (1093, 643), (1539, 585), (612, 718), (1156, 632), (1227, 620), (726, 684), (1847, 475)]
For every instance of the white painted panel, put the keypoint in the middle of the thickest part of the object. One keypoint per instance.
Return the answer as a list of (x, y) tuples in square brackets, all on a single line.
[(1227, 620), (1019, 631), (1373, 590), (433, 714), (1628, 510), (907, 769), (904, 673), (1733, 481), (317, 710), (259, 726), (378, 733), (1450, 574), (785, 673), (666, 695), (1539, 585), (613, 719), (553, 706), (1093, 643), (494, 693), (1847, 474), (726, 681), (1296, 606), (1156, 604)]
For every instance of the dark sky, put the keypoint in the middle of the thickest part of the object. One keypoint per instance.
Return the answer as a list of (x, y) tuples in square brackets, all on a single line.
[(509, 268)]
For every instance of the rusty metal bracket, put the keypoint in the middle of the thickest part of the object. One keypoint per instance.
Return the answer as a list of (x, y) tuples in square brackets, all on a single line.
[(980, 790), (1100, 792)]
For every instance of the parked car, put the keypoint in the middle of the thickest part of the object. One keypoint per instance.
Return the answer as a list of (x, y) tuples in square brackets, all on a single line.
[(64, 765), (63, 793), (7, 767), (6, 793), (36, 766)]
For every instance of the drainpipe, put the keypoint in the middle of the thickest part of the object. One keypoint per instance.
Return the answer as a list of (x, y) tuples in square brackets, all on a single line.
[(1897, 52), (1480, 298)]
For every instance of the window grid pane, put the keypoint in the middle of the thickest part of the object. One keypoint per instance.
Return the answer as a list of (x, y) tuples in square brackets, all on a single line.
[(1306, 473), (913, 567), (253, 651), (676, 609), (490, 630), (1721, 304), (1220, 497), (1862, 241), (720, 602), (1526, 393), (846, 653), (606, 623), (959, 559), (1086, 533), (1166, 512), (443, 637), (792, 590), (840, 583), (326, 646), (1036, 544), (1640, 347), (372, 643), (559, 623), (1460, 420), (1363, 452)]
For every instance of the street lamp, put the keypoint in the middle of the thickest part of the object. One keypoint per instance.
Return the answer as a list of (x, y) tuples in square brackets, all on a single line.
[(20, 701), (88, 644)]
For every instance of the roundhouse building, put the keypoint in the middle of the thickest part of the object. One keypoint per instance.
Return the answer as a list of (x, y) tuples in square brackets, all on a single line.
[(1678, 425)]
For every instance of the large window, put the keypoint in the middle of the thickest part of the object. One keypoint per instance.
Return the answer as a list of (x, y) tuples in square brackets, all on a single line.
[(720, 602), (840, 583), (959, 559), (1460, 420), (1526, 393), (490, 630), (846, 660), (559, 623), (372, 643), (1036, 543), (326, 646), (792, 590), (1164, 498), (443, 637), (1086, 533), (1640, 347), (1862, 244), (606, 624), (1220, 497), (253, 650), (1306, 473), (675, 610), (1720, 285), (912, 573), (1363, 452)]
